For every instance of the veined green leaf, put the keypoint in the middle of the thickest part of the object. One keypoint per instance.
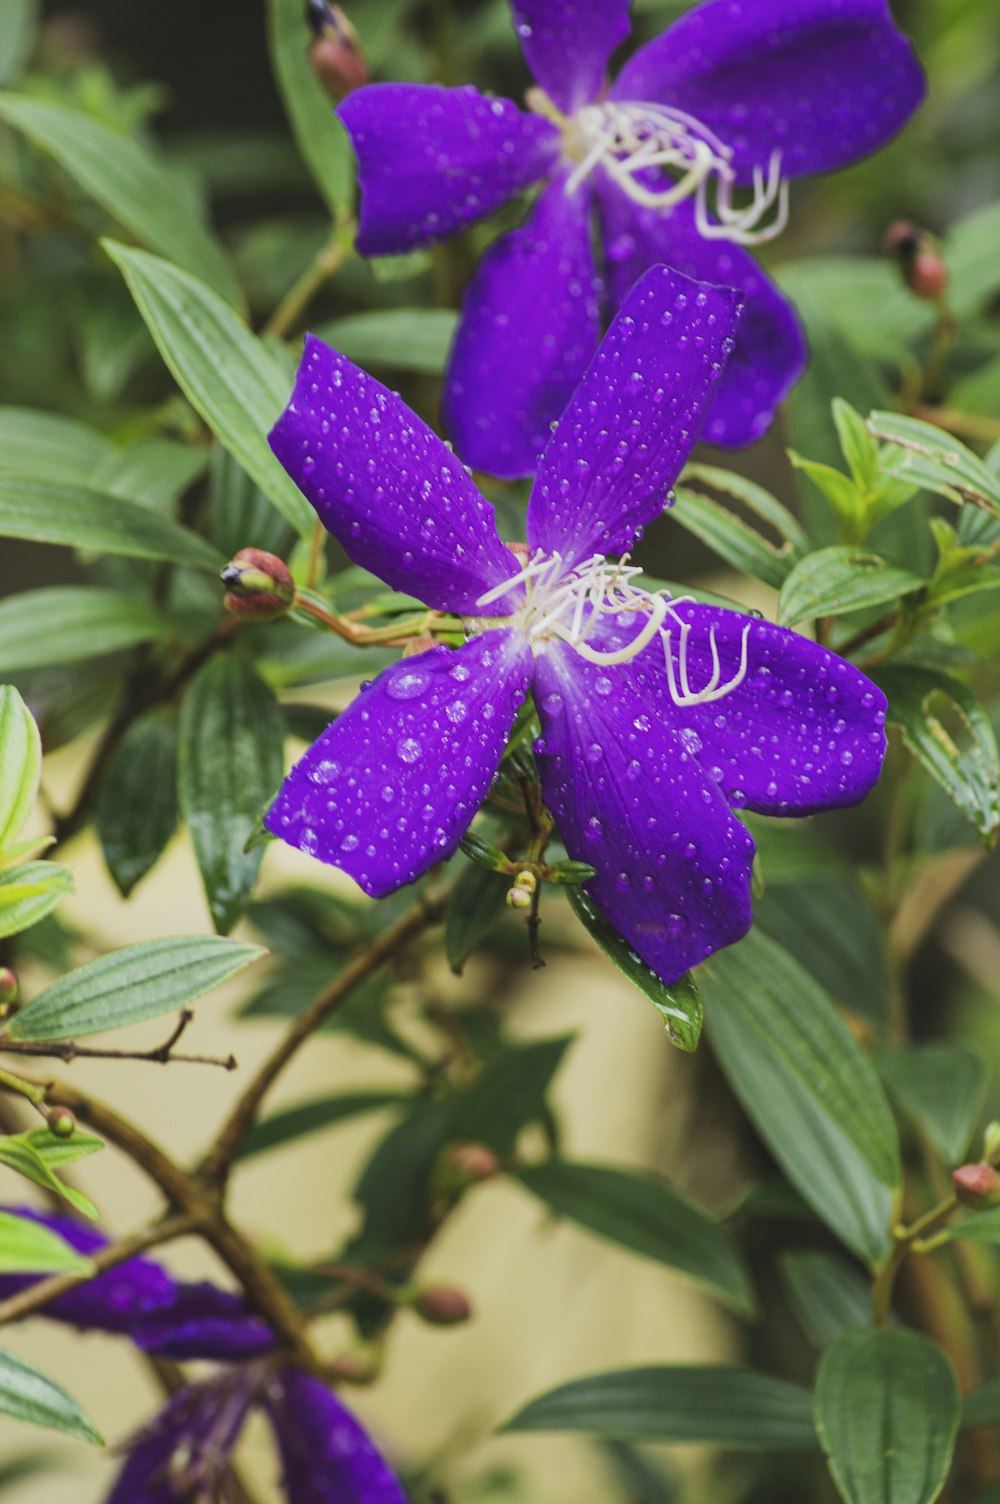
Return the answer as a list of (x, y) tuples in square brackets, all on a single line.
[(949, 732), (728, 535), (828, 1294), (319, 135), (47, 512), (836, 581), (678, 1005), (131, 984), (129, 182), (640, 1212), (726, 1407), (887, 1412), (942, 1086), (808, 1087), (936, 460), (979, 1227), (227, 375), (56, 1151), (26, 1394), (29, 892), (67, 623), (153, 472), (137, 809), (21, 762), (28, 1247), (18, 1153), (407, 339), (231, 761), (49, 446)]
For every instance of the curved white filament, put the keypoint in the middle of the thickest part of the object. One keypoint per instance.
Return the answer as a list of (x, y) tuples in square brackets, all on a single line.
[(678, 681)]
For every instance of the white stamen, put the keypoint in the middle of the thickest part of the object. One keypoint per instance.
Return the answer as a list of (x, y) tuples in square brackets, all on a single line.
[(569, 604), (631, 140)]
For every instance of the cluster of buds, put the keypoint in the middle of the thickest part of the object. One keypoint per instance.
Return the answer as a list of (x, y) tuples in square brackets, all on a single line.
[(259, 586), (919, 259), (335, 52), (521, 894)]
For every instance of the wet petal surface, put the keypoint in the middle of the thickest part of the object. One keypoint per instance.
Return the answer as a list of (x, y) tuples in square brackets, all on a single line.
[(770, 352), (823, 81), (567, 44), (529, 329), (393, 784), (628, 797), (431, 160), (804, 731), (634, 418), (387, 488), (327, 1455)]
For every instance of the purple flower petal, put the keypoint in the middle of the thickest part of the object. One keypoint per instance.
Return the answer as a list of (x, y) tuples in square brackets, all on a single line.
[(634, 418), (328, 1456), (110, 1302), (430, 160), (530, 325), (387, 488), (673, 862), (203, 1321), (184, 1453), (567, 44), (770, 352), (823, 81), (804, 731), (393, 784)]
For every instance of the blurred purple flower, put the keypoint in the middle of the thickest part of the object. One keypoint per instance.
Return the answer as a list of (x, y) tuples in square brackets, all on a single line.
[(183, 1456), (657, 716), (733, 96)]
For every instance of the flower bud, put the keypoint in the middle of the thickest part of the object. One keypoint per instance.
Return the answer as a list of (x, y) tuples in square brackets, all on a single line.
[(977, 1186), (259, 587), (442, 1305), (991, 1143), (8, 987), (62, 1122), (353, 1368), (335, 52), (474, 1161), (921, 263)]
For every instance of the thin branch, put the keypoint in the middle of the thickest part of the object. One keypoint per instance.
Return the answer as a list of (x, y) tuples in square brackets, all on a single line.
[(68, 1050), (295, 302), (427, 911)]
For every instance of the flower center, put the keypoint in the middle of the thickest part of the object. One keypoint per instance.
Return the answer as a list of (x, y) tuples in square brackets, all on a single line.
[(570, 605), (658, 156)]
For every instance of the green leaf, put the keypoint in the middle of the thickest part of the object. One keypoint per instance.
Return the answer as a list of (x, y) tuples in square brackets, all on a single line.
[(936, 461), (308, 1117), (478, 901), (17, 37), (828, 1295), (137, 809), (971, 253), (227, 375), (836, 581), (29, 892), (131, 984), (678, 1005), (509, 1093), (18, 1153), (721, 1406), (67, 623), (980, 1227), (394, 1188), (47, 512), (153, 472), (861, 300), (734, 540), (949, 732), (231, 761), (21, 761), (28, 1247), (859, 448), (887, 1411), (485, 854), (28, 1395), (50, 447), (833, 932), (129, 182), (406, 339), (319, 135), (807, 1086), (55, 1151), (646, 1215), (982, 1406), (941, 1086)]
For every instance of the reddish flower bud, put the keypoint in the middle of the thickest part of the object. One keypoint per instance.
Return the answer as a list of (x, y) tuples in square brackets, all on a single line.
[(474, 1161), (62, 1122), (335, 52), (8, 987), (259, 586), (353, 1368), (442, 1305), (977, 1186), (921, 263)]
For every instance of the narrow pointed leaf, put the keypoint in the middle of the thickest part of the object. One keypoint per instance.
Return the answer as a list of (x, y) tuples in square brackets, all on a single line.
[(828, 1294), (509, 1093), (18, 1153), (836, 581), (887, 1411), (309, 1117), (29, 892), (49, 446), (26, 1394), (48, 512), (137, 808), (941, 1086), (67, 623), (319, 135), (935, 460), (28, 1247), (406, 339), (21, 761), (131, 984)]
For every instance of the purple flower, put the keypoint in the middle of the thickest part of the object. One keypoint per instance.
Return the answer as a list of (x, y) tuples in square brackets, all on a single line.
[(183, 1456), (658, 716), (683, 160)]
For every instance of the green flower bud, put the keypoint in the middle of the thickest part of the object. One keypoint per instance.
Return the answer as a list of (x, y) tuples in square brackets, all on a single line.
[(62, 1122), (259, 586)]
